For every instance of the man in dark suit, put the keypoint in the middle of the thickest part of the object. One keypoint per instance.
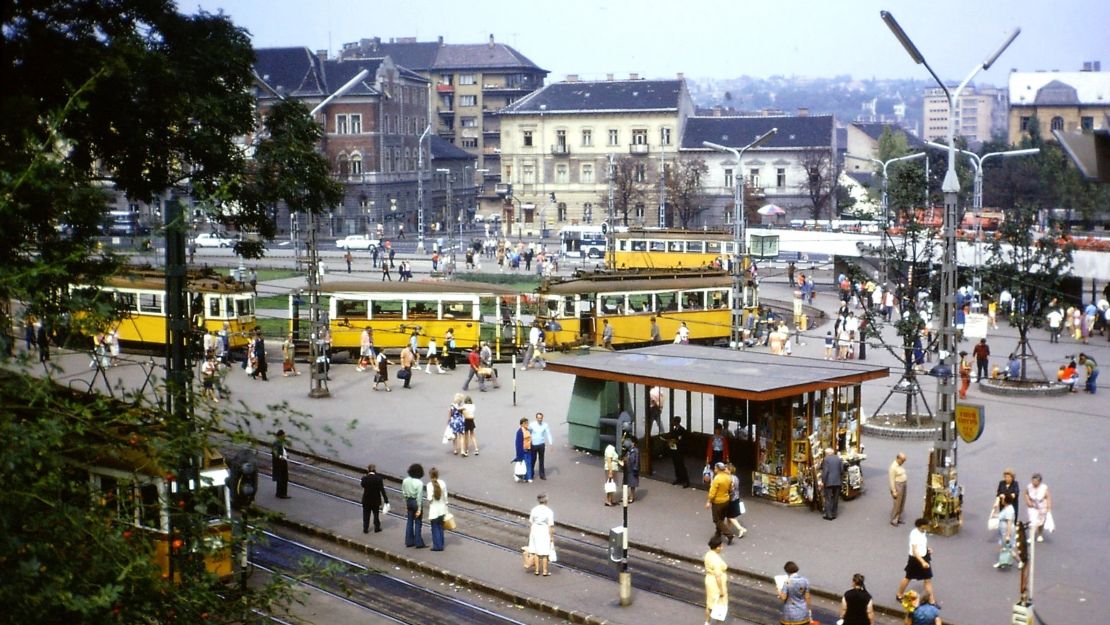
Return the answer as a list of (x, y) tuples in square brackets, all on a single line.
[(280, 468), (831, 469), (260, 356), (674, 444), (373, 496)]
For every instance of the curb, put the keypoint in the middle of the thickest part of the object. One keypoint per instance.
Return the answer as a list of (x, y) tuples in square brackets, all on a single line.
[(505, 594)]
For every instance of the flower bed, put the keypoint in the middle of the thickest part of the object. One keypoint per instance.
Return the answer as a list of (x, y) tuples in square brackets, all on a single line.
[(1023, 388)]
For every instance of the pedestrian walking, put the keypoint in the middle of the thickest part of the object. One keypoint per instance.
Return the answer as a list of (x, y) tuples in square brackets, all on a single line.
[(474, 361), (656, 333), (1009, 490), (457, 422), (208, 372), (541, 535), (412, 489), (259, 350), (612, 462), (631, 466), (1055, 321), (716, 448), (717, 500), (431, 356), (385, 271), (965, 375), (1006, 531), (541, 437), (414, 347), (790, 269), (523, 446), (982, 354), (470, 436), (832, 470), (676, 448), (288, 351), (348, 258), (1038, 507), (716, 582), (919, 563), (112, 338), (42, 339), (366, 354), (381, 375), (373, 497), (408, 360), (735, 505), (437, 507), (279, 467), (794, 595), (856, 606), (254, 281), (896, 480), (606, 334)]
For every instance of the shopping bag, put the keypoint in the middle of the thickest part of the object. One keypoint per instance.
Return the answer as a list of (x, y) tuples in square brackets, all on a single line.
[(448, 435), (1049, 523), (719, 611), (385, 508), (553, 557), (610, 486), (529, 558), (519, 468), (743, 508), (449, 521), (707, 474), (992, 520), (404, 374)]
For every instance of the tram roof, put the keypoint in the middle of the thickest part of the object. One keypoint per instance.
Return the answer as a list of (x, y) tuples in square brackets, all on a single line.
[(675, 234), (618, 283), (758, 376), (417, 287), (157, 282)]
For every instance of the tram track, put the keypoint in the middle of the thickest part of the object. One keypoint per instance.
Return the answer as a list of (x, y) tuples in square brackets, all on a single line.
[(372, 591), (581, 550)]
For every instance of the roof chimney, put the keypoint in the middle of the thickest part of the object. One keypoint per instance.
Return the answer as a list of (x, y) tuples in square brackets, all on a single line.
[(491, 40), (633, 76), (572, 77), (441, 40), (322, 55), (803, 111), (608, 77), (681, 76), (376, 43)]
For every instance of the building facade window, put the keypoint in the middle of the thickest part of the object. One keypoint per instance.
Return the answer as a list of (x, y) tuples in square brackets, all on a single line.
[(561, 140), (728, 177), (356, 165), (528, 174), (1087, 123), (526, 140), (665, 135), (1025, 123), (561, 173), (466, 79), (562, 209), (588, 212), (468, 122), (343, 165), (780, 177), (641, 172), (356, 124), (638, 211), (639, 137), (469, 142), (468, 100), (445, 79), (587, 173), (1057, 123), (587, 137), (341, 124), (614, 136), (753, 177)]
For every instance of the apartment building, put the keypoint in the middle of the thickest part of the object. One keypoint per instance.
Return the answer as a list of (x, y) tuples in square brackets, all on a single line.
[(1068, 101), (556, 145), (980, 114)]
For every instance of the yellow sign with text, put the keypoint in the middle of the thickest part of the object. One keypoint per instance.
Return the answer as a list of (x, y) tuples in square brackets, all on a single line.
[(970, 421)]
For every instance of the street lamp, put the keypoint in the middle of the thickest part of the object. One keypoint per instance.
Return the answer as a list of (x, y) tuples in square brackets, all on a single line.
[(739, 234), (448, 212), (943, 460), (884, 201)]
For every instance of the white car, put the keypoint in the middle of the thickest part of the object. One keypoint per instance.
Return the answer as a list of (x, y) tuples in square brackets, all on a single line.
[(356, 242), (211, 239)]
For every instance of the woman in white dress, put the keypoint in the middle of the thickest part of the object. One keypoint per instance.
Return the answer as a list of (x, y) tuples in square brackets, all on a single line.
[(1038, 505), (541, 538)]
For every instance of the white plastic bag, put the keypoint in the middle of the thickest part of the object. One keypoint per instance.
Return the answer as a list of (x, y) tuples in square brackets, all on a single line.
[(448, 435), (1049, 523), (610, 486), (385, 508)]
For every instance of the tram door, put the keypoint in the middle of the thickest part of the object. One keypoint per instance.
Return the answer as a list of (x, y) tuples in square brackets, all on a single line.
[(587, 312)]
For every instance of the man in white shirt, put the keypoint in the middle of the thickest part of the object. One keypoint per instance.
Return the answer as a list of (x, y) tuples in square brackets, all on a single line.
[(533, 345), (541, 438), (1055, 319)]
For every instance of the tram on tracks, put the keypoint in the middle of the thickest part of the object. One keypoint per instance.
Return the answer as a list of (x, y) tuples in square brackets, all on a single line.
[(471, 311), (668, 248), (139, 298), (574, 310)]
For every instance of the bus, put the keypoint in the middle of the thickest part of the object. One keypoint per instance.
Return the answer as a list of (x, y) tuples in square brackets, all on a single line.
[(667, 248), (582, 241), (474, 312), (574, 310)]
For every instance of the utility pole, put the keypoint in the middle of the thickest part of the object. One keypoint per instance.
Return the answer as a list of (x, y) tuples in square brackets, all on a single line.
[(662, 185), (610, 253)]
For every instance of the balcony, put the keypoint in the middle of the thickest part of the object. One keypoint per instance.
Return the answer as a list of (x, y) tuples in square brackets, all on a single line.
[(445, 88), (560, 150), (638, 149)]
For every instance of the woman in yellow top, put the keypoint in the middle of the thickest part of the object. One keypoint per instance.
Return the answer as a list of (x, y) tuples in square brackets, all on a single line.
[(716, 578)]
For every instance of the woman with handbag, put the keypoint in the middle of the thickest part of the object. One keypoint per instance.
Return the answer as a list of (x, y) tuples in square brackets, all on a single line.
[(612, 463), (541, 536), (523, 452), (456, 422), (437, 507), (716, 582), (382, 374), (1038, 507)]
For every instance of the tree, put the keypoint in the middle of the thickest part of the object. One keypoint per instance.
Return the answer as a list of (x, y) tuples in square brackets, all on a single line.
[(820, 181), (628, 187), (684, 190)]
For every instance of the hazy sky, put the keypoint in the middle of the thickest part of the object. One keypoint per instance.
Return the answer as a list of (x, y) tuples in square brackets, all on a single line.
[(715, 38)]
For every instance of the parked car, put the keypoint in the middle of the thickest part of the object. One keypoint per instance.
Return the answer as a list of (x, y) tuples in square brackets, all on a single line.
[(356, 242), (213, 239)]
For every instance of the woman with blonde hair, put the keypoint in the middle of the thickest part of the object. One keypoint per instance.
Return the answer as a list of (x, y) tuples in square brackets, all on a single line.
[(437, 507)]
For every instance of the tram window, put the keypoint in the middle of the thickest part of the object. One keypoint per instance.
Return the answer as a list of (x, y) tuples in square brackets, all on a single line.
[(639, 302), (612, 304), (386, 308), (696, 247), (150, 509), (639, 246), (622, 245), (713, 247), (351, 309), (244, 307), (693, 300), (718, 299), (657, 246), (423, 310), (458, 309), (213, 498), (675, 246), (728, 247), (585, 307), (125, 301), (666, 302), (214, 307), (551, 307), (150, 302)]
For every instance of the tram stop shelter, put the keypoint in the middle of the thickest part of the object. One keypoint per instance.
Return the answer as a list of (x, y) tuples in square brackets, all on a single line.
[(777, 413)]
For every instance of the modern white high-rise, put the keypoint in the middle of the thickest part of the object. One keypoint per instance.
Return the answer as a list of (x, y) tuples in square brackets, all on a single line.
[(980, 114)]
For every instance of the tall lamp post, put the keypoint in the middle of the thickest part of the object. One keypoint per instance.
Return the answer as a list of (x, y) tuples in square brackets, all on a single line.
[(448, 211), (420, 190), (884, 202), (942, 506), (739, 234)]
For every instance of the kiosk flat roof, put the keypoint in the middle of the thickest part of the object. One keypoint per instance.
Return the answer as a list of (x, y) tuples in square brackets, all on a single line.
[(758, 376)]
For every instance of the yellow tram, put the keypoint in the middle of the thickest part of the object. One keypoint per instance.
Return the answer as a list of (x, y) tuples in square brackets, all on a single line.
[(473, 312), (574, 310), (143, 494), (212, 302), (661, 248)]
